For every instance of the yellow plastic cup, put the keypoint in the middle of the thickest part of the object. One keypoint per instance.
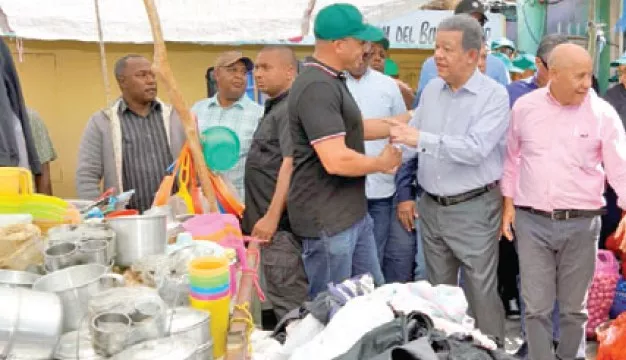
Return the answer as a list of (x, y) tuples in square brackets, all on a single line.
[(220, 316), (209, 266)]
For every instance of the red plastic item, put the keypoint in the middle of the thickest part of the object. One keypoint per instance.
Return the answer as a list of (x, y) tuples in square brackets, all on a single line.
[(119, 213), (612, 341)]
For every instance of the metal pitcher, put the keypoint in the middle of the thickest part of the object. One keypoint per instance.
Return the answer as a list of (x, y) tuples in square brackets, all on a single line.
[(75, 286)]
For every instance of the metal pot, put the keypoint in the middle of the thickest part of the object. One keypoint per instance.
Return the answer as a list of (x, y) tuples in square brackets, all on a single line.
[(60, 256), (138, 236), (170, 348), (13, 278), (75, 286), (190, 323), (30, 323)]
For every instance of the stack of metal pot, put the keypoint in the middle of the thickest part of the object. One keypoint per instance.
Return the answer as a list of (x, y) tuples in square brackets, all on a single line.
[(70, 245)]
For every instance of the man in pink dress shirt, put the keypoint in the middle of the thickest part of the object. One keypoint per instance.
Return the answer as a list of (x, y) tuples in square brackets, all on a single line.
[(562, 139)]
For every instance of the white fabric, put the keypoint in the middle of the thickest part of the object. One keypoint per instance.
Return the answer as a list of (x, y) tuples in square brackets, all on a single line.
[(359, 316), (378, 96), (196, 21), (308, 339)]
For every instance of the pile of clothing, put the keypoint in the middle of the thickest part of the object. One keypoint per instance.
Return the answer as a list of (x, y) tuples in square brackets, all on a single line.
[(355, 321)]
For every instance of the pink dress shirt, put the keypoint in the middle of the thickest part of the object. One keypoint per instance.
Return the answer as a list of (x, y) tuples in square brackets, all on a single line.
[(557, 155)]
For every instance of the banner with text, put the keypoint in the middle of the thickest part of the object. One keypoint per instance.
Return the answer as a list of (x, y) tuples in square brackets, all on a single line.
[(415, 30)]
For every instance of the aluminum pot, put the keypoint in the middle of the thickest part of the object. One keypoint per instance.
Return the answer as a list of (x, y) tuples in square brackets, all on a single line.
[(75, 286), (190, 323), (169, 348), (138, 236), (13, 278), (30, 323)]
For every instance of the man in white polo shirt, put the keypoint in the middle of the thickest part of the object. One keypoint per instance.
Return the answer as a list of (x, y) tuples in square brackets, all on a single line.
[(378, 96)]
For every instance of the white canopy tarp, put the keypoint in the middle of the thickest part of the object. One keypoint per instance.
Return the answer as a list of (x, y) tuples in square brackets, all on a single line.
[(195, 21)]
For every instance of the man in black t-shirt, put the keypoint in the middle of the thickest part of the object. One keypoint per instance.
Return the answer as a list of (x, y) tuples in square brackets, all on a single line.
[(268, 170), (327, 204)]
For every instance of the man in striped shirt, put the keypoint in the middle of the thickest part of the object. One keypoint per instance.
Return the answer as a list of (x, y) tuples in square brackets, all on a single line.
[(130, 144)]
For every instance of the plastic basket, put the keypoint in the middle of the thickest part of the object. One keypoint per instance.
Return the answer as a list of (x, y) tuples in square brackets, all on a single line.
[(16, 181)]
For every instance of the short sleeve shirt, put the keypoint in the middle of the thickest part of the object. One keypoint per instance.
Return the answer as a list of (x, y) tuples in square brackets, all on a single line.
[(271, 143), (43, 144), (321, 107)]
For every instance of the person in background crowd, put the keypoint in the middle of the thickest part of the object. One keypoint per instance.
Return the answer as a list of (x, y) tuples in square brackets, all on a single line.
[(231, 107), (378, 62), (45, 151), (458, 132), (505, 47), (527, 64), (17, 147), (130, 144), (508, 269), (494, 68), (616, 96), (378, 55), (378, 96), (514, 71), (267, 173), (557, 227), (327, 205)]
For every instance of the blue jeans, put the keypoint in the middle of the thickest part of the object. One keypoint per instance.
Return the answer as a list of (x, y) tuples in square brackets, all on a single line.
[(396, 246), (335, 258)]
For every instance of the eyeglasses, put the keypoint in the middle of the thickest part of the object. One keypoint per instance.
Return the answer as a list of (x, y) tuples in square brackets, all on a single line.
[(545, 63)]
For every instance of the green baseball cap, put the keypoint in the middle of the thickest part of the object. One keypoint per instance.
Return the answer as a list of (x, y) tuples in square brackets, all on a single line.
[(525, 62), (502, 42), (391, 68), (340, 21), (508, 63), (384, 42)]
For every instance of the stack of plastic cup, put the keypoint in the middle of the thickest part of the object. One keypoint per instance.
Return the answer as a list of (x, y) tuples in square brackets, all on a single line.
[(209, 279)]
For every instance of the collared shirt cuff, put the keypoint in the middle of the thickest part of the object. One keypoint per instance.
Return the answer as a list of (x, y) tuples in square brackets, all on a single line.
[(428, 143), (507, 189), (406, 193)]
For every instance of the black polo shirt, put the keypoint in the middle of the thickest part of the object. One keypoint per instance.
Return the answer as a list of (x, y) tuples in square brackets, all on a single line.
[(321, 107), (270, 143)]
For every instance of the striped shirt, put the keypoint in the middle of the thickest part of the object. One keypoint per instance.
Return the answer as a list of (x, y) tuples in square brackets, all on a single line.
[(243, 118), (145, 153)]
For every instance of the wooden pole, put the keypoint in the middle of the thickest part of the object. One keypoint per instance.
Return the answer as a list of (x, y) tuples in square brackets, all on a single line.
[(163, 69), (103, 56)]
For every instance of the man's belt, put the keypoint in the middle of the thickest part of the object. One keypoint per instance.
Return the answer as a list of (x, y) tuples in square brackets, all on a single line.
[(466, 196), (564, 214)]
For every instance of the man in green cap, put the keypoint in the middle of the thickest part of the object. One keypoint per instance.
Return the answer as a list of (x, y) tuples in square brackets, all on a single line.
[(378, 54), (327, 205), (504, 46), (526, 63), (513, 70)]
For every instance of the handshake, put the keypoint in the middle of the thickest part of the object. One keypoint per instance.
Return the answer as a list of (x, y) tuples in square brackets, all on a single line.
[(399, 133)]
